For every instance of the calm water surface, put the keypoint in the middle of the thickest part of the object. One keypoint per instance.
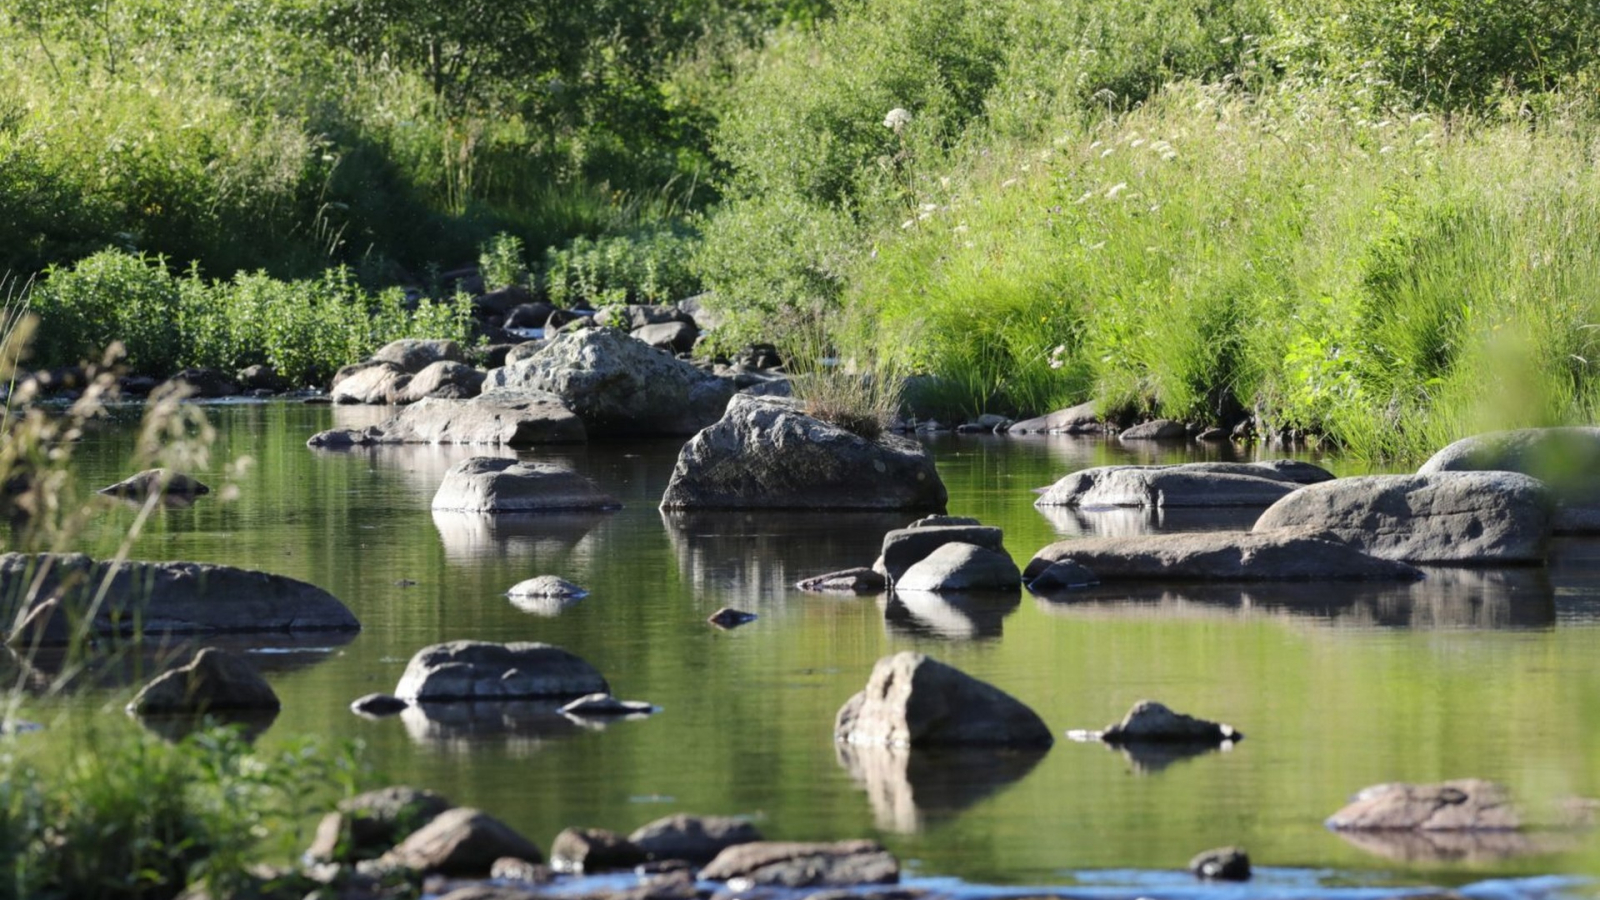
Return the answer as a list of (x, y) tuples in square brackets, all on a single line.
[(1490, 674)]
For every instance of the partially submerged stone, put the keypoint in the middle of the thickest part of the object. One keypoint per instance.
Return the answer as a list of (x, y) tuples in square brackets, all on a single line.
[(1467, 804), (728, 617), (1063, 575), (962, 567), (860, 580), (366, 825), (1567, 460), (1149, 721), (1155, 430), (377, 705), (1219, 556), (1186, 485), (510, 418), (767, 454), (905, 547), (593, 850), (693, 838), (461, 841), (1447, 517), (498, 485), (797, 865), (213, 681), (1080, 419), (912, 700), (479, 670), (156, 483), (547, 586), (1221, 864)]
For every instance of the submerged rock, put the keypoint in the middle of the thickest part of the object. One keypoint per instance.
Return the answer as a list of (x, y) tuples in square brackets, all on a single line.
[(1149, 721), (479, 670), (860, 580), (214, 680), (693, 838), (154, 483), (767, 454), (498, 485), (912, 700), (796, 865), (1449, 517), (1467, 804), (1219, 556)]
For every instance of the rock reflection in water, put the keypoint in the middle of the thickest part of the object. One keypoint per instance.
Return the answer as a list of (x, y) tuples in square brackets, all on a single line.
[(421, 467), (522, 727), (1072, 521), (911, 789), (1446, 598), (251, 724), (747, 558), (1152, 757), (1460, 846), (54, 669), (534, 537), (951, 615)]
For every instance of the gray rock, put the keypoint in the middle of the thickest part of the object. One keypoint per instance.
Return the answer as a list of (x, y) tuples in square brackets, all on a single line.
[(693, 838), (1063, 575), (368, 824), (1183, 485), (547, 586), (634, 316), (1448, 517), (1219, 556), (905, 547), (528, 315), (512, 418), (499, 485), (510, 868), (797, 865), (202, 383), (765, 454), (1565, 459), (412, 355), (523, 351), (168, 598), (377, 705), (673, 337), (942, 521), (1222, 864), (446, 380), (850, 581), (261, 378), (213, 680), (461, 841), (478, 670), (381, 383), (1295, 470), (619, 386), (593, 850), (1149, 721), (156, 482), (912, 700), (1080, 419), (962, 567), (502, 301), (1155, 430), (1462, 805)]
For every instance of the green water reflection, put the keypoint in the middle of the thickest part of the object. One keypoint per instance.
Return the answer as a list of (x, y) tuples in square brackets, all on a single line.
[(1491, 675)]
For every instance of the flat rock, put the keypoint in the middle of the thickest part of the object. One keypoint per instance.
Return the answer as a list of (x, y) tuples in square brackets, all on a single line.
[(156, 483), (168, 597), (962, 567), (461, 841), (1447, 517), (1463, 805), (213, 680), (693, 838), (767, 454), (1155, 430), (619, 386), (1565, 459), (1080, 419), (912, 700), (593, 850), (905, 547), (1149, 721), (861, 580), (499, 485), (479, 670), (1219, 556), (796, 865), (1187, 485), (512, 418)]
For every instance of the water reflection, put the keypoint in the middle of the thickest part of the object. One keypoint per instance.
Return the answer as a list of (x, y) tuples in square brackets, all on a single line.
[(44, 670), (522, 727), (1453, 598), (420, 467), (250, 724), (911, 789), (750, 557), (1152, 757), (1460, 846), (1072, 521), (537, 537), (949, 615)]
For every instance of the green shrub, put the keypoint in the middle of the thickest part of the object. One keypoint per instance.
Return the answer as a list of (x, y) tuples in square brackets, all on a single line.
[(644, 267)]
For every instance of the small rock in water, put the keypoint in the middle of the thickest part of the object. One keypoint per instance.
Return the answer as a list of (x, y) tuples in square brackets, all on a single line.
[(1152, 721), (156, 482), (861, 580), (1222, 864), (605, 705), (378, 705), (1064, 574), (547, 586), (728, 617)]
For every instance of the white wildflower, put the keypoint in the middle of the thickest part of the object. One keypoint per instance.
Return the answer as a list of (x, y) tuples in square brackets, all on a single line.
[(897, 119), (1116, 189)]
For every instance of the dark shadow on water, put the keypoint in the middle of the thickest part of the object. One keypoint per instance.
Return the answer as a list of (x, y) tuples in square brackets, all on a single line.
[(522, 727), (535, 537), (748, 557), (1447, 598), (251, 724), (1072, 521), (912, 789), (948, 615)]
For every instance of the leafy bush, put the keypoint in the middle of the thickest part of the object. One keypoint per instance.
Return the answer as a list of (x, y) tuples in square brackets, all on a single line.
[(501, 262), (645, 267)]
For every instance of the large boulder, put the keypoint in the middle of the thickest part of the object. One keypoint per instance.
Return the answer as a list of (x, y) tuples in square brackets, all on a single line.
[(696, 839), (1185, 485), (619, 386), (1218, 556), (1448, 517), (498, 485), (1155, 430), (905, 547), (1080, 419), (513, 418), (377, 383), (213, 681), (962, 567), (912, 700), (1463, 805), (1565, 459), (412, 355), (167, 598), (478, 670), (461, 841), (767, 454), (446, 380), (797, 865), (366, 825)]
